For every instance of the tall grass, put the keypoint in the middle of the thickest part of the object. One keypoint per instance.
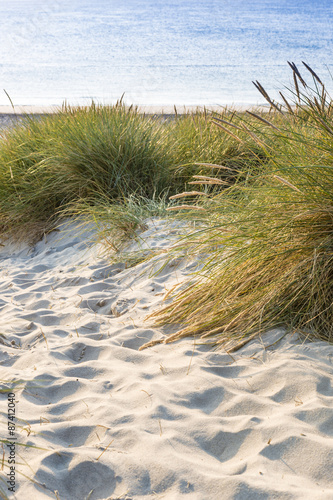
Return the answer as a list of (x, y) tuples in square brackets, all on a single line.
[(268, 244), (78, 153), (108, 154), (118, 222), (198, 141)]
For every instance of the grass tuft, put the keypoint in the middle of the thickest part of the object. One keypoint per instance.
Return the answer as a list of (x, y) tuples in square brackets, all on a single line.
[(78, 153), (268, 243), (50, 163)]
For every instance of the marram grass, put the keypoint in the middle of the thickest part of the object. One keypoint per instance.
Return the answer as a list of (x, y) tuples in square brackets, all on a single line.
[(267, 245), (117, 223), (197, 140), (269, 262), (49, 163)]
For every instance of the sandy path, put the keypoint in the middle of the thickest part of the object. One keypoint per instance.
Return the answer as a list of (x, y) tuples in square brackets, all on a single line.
[(107, 420)]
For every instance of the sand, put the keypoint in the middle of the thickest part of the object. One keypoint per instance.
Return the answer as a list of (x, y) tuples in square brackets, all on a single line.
[(101, 419)]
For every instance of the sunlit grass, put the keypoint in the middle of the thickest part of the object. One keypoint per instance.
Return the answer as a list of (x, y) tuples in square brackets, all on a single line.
[(268, 244)]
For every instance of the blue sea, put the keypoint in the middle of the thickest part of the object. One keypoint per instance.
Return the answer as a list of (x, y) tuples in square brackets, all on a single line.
[(161, 52)]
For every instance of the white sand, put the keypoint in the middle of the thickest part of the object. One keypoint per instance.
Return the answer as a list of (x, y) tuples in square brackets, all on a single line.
[(172, 421)]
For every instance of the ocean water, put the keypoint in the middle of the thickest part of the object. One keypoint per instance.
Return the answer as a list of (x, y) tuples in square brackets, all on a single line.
[(159, 52)]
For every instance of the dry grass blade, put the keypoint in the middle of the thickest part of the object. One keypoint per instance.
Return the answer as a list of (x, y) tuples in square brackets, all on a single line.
[(11, 102), (287, 183), (99, 456), (152, 343), (213, 165), (254, 136), (324, 124), (205, 183), (266, 96), (319, 107), (261, 90), (313, 73), (7, 441), (228, 132), (185, 207), (47, 345), (187, 193), (295, 70), (296, 86), (212, 179), (287, 104), (323, 99), (263, 120), (239, 345), (227, 123)]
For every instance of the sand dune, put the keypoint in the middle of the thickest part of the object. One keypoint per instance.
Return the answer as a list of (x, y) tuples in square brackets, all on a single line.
[(104, 420)]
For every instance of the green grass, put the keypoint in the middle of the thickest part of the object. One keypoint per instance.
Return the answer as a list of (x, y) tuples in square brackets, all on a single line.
[(49, 163), (75, 154), (199, 140), (117, 223)]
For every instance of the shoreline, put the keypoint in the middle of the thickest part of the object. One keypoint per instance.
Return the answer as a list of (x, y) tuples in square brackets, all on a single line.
[(144, 109), (9, 116)]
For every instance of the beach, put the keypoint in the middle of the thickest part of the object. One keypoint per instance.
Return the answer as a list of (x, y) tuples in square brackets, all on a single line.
[(166, 229), (98, 418)]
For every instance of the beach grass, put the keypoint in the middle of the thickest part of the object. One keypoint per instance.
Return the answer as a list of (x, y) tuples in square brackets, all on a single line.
[(266, 245), (100, 152), (200, 140), (116, 223), (51, 162), (48, 163)]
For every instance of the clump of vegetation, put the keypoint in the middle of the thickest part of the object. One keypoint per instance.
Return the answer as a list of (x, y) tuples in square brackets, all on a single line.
[(74, 154), (51, 163), (268, 244), (201, 138), (260, 184)]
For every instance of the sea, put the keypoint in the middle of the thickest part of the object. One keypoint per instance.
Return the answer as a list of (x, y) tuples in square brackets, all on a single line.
[(159, 52)]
